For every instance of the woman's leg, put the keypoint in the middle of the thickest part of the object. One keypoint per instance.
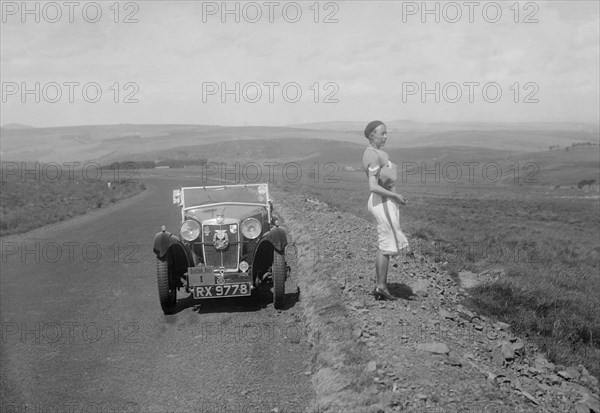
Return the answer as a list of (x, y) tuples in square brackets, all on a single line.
[(382, 263), (385, 241)]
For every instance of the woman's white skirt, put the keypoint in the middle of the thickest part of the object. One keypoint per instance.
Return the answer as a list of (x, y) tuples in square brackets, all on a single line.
[(390, 238)]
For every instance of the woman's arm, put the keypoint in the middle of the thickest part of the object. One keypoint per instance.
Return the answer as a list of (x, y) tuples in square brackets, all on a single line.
[(379, 190)]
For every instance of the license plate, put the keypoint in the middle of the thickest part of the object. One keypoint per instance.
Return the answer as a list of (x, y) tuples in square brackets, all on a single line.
[(224, 290)]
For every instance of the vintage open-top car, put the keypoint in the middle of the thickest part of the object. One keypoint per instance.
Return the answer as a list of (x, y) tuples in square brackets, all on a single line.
[(230, 244)]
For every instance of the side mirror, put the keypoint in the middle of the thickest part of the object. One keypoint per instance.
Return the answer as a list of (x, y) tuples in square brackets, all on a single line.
[(177, 197)]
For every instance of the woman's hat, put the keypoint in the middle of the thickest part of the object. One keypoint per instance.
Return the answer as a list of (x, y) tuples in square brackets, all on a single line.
[(371, 127)]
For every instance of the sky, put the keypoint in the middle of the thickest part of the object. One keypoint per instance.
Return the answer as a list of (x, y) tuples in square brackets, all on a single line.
[(279, 63)]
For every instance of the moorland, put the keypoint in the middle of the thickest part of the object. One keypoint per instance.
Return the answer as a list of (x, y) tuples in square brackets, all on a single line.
[(517, 204)]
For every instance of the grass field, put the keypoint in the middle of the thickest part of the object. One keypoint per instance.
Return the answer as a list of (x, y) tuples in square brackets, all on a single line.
[(34, 200)]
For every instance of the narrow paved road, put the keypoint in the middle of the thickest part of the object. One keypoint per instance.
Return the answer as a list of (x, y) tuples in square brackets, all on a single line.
[(82, 328)]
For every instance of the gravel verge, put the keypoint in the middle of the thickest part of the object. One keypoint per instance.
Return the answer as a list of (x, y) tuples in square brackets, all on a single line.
[(342, 373), (424, 352)]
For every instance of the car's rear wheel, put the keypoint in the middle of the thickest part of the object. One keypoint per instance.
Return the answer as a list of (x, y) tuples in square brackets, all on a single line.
[(167, 292), (278, 271)]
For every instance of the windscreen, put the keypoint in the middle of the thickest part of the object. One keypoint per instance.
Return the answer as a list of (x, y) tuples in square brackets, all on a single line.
[(257, 193)]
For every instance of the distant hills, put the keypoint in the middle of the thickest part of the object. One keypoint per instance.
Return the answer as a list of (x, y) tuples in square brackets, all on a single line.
[(105, 143), (403, 124), (10, 126)]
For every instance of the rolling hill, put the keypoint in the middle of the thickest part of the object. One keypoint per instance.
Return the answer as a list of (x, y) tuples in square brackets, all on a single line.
[(13, 126), (556, 167), (104, 143)]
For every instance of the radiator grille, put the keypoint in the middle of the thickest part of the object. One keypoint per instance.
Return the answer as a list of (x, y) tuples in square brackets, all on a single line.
[(228, 257)]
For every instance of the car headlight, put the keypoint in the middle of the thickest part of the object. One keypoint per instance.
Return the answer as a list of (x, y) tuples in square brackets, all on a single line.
[(190, 230), (251, 228)]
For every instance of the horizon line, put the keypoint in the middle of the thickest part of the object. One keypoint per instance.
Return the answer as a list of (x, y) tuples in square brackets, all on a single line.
[(22, 126)]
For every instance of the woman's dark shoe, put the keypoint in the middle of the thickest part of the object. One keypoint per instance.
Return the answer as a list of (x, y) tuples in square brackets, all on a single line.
[(383, 295)]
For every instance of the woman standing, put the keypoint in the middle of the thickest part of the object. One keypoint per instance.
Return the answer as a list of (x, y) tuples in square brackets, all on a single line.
[(383, 204)]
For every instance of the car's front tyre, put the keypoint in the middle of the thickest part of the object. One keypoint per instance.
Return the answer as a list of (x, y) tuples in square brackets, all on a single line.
[(167, 292), (278, 272)]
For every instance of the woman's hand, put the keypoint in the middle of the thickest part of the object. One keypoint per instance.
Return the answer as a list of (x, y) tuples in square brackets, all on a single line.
[(400, 200)]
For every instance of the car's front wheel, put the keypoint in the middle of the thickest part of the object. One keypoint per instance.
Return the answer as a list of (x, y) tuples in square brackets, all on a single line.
[(167, 292), (278, 272)]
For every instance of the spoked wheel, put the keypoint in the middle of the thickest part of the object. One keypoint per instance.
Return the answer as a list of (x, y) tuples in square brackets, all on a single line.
[(167, 292), (278, 271)]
